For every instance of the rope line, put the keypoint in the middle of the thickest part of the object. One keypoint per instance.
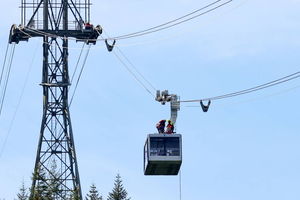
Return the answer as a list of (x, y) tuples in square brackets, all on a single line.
[(166, 23), (180, 183), (250, 90), (78, 79), (10, 60), (133, 66), (169, 26), (77, 64), (18, 104), (150, 30), (133, 74), (4, 62)]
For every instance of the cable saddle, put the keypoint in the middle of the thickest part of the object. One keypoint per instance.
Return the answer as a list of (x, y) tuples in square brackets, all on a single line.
[(110, 47), (205, 107)]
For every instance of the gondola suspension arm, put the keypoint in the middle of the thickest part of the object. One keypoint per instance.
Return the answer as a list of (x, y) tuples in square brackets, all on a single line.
[(163, 97)]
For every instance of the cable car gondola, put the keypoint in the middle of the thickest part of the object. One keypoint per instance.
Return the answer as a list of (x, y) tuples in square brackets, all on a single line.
[(162, 154)]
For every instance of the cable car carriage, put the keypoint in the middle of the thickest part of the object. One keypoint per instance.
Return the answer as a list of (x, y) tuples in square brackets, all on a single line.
[(162, 154)]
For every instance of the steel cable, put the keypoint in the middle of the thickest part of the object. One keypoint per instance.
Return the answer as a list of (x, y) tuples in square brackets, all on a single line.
[(166, 23), (18, 104), (78, 79), (154, 29), (77, 64), (131, 72), (4, 62), (169, 26), (250, 90), (133, 66), (10, 60)]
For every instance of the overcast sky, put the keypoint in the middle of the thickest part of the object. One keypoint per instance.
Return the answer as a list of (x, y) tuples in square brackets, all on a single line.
[(244, 148)]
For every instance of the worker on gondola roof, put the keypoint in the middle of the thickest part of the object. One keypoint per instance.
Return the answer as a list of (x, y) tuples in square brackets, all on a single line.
[(170, 127), (161, 126)]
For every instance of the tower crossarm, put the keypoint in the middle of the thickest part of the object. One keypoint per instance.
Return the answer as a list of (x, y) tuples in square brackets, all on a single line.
[(87, 35)]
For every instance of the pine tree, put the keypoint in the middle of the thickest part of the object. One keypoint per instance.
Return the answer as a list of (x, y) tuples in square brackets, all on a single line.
[(53, 191), (93, 194), (41, 188), (119, 192), (74, 195), (22, 195), (48, 184)]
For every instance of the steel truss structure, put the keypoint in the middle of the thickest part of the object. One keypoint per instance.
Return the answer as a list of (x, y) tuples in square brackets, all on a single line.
[(56, 174)]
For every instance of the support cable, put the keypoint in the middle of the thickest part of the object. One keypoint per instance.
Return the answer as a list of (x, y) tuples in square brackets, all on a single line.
[(137, 71), (7, 77), (4, 62), (78, 79), (131, 72), (166, 25), (18, 104), (250, 90), (77, 64), (172, 23), (169, 22)]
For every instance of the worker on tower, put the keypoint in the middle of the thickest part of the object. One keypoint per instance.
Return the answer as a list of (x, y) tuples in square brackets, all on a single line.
[(161, 126), (170, 127), (88, 26)]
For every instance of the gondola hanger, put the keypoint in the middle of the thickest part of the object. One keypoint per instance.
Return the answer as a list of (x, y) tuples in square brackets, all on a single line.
[(110, 47), (205, 107)]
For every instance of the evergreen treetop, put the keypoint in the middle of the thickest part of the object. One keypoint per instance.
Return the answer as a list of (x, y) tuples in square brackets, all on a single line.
[(93, 194), (118, 192), (22, 195)]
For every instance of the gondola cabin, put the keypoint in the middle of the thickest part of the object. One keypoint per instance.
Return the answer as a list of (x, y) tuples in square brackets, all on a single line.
[(162, 154)]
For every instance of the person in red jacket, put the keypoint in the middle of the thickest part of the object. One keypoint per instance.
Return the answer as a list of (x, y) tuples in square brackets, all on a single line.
[(161, 126), (170, 127)]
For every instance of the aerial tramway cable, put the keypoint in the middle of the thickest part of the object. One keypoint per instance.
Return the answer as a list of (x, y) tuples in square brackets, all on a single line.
[(250, 90), (166, 23), (7, 75), (4, 62), (136, 70), (169, 24), (77, 64), (185, 18), (18, 104), (133, 74), (80, 73)]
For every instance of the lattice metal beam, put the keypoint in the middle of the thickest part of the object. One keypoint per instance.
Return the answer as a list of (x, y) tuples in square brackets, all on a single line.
[(56, 174)]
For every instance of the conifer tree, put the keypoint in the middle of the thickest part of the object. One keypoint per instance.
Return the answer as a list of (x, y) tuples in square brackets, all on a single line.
[(93, 194), (41, 189), (118, 192), (74, 195), (53, 191), (48, 184), (22, 195)]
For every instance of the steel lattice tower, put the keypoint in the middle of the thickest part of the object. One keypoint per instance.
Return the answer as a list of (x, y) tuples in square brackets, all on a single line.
[(56, 174)]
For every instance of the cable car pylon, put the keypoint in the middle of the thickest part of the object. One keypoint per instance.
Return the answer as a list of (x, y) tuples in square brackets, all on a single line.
[(56, 174), (163, 150)]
